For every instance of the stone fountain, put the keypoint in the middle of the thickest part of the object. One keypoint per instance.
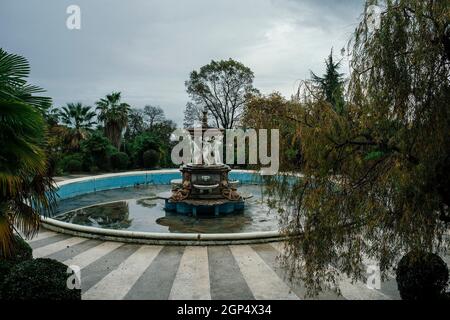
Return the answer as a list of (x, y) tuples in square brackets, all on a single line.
[(205, 187)]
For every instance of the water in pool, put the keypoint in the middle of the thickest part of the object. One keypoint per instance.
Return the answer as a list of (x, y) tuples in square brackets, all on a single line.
[(135, 209)]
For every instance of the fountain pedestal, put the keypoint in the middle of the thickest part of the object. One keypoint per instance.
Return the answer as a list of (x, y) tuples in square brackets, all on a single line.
[(205, 188)]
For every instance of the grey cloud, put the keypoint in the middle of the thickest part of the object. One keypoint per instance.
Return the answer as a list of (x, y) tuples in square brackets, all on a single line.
[(146, 49)]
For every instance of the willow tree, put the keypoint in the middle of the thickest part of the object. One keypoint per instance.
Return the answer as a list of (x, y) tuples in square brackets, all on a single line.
[(283, 117), (376, 178)]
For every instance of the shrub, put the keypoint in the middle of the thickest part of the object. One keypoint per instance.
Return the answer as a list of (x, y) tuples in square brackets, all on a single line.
[(72, 163), (421, 276), (150, 158), (37, 280), (119, 161), (142, 143), (94, 169), (96, 152), (21, 252)]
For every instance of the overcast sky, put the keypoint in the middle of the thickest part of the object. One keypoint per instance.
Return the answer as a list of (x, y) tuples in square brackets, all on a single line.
[(147, 48)]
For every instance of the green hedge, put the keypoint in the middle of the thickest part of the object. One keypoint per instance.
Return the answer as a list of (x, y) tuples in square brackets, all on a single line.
[(421, 276), (39, 279), (150, 159), (119, 161), (72, 163), (21, 252)]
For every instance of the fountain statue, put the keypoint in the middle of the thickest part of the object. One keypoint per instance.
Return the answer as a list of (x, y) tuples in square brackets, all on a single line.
[(205, 187)]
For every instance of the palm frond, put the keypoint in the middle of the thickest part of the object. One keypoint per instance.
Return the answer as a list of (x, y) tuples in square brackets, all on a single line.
[(26, 188), (14, 70), (6, 232)]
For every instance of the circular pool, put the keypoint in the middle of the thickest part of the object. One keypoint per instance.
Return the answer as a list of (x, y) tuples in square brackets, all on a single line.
[(125, 207)]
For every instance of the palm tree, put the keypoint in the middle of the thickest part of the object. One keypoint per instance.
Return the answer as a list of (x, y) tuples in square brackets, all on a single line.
[(79, 120), (114, 115), (26, 190)]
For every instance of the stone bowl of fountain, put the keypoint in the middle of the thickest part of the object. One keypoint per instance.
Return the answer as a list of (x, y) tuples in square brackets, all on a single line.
[(204, 189)]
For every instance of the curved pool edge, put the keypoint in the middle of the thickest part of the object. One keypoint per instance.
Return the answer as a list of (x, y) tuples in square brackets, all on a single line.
[(198, 239)]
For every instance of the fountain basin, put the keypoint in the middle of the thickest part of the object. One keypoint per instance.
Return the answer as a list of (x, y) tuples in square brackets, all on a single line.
[(240, 228), (203, 206)]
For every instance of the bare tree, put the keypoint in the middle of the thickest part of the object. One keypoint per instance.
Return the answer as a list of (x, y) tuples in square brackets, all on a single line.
[(153, 115), (193, 115), (136, 123)]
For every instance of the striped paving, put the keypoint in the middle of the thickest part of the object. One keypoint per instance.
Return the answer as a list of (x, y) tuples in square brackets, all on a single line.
[(113, 270), (42, 235), (192, 278), (84, 259), (49, 249), (118, 282), (262, 280)]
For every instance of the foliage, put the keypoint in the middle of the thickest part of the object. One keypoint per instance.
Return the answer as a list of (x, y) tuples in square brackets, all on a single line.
[(376, 177), (283, 118), (26, 189), (421, 276), (153, 115), (142, 143), (79, 121), (114, 115), (150, 159), (136, 124), (148, 129), (14, 71), (72, 163), (163, 132), (193, 115), (331, 85), (39, 279), (21, 252), (52, 116), (222, 88), (96, 151), (78, 116), (119, 161)]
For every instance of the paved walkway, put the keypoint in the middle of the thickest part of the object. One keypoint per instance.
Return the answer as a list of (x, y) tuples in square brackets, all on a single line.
[(113, 270)]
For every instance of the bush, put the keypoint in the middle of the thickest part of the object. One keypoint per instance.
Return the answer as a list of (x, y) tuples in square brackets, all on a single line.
[(93, 169), (96, 151), (37, 280), (72, 163), (119, 161), (150, 158), (421, 276), (142, 143), (21, 252)]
